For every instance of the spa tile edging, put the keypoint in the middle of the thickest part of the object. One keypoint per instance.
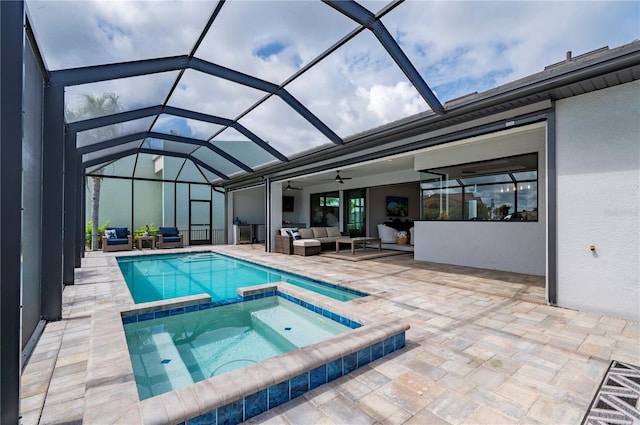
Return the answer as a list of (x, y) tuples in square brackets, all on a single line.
[(232, 398), (159, 309)]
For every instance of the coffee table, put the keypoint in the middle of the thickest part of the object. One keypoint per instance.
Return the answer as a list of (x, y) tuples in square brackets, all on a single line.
[(354, 241)]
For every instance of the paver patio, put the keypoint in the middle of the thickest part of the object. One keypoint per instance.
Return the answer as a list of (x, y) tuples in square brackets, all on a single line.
[(483, 347)]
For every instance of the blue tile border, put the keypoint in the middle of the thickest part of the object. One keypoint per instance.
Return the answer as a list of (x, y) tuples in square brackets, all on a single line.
[(269, 292), (263, 400)]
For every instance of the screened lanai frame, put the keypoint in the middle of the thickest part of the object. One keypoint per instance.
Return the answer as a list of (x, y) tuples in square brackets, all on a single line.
[(54, 228), (104, 138)]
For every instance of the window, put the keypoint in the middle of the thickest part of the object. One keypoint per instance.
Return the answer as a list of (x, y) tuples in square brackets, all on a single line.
[(499, 189), (325, 209)]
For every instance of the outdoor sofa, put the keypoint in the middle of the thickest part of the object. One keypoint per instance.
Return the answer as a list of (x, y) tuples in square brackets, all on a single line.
[(117, 239), (309, 241), (169, 237)]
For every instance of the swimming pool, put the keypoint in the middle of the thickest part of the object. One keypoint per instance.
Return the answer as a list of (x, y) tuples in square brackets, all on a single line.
[(175, 351), (165, 276)]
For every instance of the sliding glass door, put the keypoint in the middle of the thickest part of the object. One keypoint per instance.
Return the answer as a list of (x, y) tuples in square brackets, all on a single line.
[(354, 212)]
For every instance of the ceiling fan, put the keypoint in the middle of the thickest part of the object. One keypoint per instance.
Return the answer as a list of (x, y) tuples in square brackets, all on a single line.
[(339, 179), (289, 187)]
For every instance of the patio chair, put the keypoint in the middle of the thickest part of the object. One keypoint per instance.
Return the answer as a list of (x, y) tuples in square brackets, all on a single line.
[(117, 239), (169, 237)]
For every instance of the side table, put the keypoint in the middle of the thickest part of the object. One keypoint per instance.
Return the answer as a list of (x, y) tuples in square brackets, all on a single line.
[(150, 239)]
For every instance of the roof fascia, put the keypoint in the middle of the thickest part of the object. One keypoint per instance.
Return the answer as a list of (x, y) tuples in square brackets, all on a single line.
[(624, 59)]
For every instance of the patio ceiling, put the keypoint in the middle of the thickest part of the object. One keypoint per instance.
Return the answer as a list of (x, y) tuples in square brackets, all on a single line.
[(228, 89)]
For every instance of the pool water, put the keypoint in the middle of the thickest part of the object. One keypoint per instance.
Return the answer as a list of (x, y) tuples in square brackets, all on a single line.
[(161, 277), (176, 351)]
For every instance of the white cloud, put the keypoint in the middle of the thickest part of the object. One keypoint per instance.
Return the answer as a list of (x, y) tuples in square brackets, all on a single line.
[(386, 102), (458, 47), (496, 42)]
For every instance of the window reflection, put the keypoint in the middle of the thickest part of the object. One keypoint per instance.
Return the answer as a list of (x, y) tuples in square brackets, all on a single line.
[(325, 209), (503, 189)]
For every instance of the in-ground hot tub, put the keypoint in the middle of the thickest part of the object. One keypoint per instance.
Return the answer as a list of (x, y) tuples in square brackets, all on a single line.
[(174, 351), (240, 394)]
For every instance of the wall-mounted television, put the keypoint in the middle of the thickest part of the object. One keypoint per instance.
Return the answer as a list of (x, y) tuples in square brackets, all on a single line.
[(287, 203), (397, 206)]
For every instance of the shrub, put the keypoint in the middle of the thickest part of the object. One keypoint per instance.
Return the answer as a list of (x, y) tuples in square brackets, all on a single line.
[(88, 233)]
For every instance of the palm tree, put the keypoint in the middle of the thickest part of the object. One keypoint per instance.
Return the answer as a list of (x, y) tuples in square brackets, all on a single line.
[(91, 107)]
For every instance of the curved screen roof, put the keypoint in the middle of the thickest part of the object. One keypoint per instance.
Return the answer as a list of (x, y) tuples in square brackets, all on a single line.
[(233, 87)]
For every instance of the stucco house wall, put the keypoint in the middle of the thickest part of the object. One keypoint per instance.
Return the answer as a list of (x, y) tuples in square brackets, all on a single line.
[(598, 166)]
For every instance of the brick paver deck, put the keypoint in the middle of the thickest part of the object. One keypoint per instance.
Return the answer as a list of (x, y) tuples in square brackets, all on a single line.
[(483, 347)]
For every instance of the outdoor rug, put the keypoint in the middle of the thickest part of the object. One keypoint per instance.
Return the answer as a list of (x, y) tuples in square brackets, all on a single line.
[(617, 400), (360, 255)]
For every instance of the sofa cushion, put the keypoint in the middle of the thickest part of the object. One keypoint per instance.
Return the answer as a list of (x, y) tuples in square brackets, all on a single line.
[(387, 234), (117, 241), (168, 231), (333, 232), (110, 234), (306, 242), (166, 239), (306, 233), (319, 232)]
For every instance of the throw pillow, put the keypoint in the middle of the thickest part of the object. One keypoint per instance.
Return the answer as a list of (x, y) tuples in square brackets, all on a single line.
[(110, 233), (285, 230), (294, 234)]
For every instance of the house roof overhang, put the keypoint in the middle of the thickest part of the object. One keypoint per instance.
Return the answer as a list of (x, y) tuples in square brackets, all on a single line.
[(596, 70)]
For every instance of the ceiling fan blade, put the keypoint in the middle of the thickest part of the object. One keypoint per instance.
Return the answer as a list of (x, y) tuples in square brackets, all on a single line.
[(341, 179), (289, 187), (338, 178)]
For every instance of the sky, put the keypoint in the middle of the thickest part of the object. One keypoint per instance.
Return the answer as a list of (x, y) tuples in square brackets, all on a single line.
[(458, 47)]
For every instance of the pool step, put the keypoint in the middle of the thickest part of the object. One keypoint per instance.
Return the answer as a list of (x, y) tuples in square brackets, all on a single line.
[(288, 325), (165, 361), (207, 256)]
